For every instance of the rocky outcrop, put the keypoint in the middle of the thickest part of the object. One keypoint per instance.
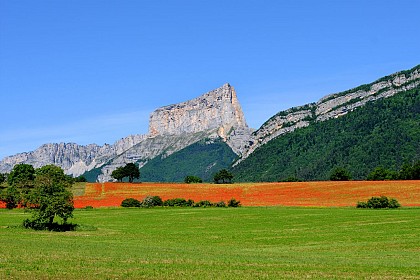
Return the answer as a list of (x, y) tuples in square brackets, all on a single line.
[(331, 106), (215, 109)]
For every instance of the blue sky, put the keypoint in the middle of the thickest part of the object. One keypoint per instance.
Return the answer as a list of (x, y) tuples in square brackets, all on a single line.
[(89, 71)]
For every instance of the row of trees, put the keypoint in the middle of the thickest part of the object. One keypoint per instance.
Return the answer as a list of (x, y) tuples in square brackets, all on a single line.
[(45, 192), (407, 172)]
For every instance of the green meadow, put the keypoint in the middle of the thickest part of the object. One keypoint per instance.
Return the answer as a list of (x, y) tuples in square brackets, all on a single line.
[(216, 243)]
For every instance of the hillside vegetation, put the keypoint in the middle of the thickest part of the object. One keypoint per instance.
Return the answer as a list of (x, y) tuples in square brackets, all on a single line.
[(201, 159), (382, 133)]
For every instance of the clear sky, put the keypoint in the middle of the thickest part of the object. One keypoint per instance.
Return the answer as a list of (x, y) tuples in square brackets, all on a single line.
[(91, 71)]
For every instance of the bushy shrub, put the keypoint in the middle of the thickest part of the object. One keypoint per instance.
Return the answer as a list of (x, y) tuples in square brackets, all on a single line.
[(379, 202), (193, 179), (234, 203), (130, 202), (178, 202), (219, 204), (151, 201), (203, 203)]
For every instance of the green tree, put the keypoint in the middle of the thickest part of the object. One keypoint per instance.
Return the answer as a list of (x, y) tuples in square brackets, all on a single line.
[(380, 173), (131, 171), (11, 196), (118, 174), (49, 198), (340, 174), (223, 177), (22, 175), (192, 179), (2, 178)]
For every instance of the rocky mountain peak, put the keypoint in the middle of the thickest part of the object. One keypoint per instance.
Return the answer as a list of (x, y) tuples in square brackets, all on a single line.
[(215, 109)]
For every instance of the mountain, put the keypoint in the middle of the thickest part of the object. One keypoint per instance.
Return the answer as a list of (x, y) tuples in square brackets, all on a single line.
[(217, 119), (384, 133), (215, 114), (331, 106)]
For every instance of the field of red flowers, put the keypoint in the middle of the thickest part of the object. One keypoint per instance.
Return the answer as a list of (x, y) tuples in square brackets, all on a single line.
[(318, 194)]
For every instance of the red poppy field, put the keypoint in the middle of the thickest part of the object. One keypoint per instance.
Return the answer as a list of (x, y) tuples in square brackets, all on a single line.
[(307, 194)]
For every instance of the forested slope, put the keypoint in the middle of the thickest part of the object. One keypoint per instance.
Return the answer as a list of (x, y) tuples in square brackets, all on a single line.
[(384, 133), (201, 159)]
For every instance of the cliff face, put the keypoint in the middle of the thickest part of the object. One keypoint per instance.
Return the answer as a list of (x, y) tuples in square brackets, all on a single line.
[(215, 109), (331, 106)]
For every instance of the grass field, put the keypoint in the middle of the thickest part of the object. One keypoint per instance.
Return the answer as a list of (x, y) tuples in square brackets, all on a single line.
[(324, 194), (215, 243)]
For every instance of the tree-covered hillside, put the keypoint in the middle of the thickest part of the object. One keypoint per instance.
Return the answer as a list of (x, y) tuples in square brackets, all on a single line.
[(381, 133), (201, 159)]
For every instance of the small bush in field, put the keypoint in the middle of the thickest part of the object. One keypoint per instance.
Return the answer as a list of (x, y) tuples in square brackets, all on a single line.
[(234, 203), (151, 201), (130, 202), (219, 204), (89, 207), (379, 202), (178, 202), (203, 203)]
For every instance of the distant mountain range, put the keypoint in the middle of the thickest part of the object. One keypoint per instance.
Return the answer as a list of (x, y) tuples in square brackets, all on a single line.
[(377, 122)]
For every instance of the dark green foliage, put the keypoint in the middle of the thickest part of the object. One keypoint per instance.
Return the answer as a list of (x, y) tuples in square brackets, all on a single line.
[(223, 177), (151, 201), (410, 172), (178, 202), (22, 175), (340, 174), (92, 175), (381, 133), (380, 174), (11, 196), (192, 179), (234, 203), (2, 177), (80, 179), (379, 202), (220, 204), (49, 198), (130, 170), (201, 159), (203, 203), (130, 202)]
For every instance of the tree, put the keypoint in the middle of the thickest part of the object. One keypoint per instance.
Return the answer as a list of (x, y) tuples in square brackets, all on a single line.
[(118, 174), (49, 198), (223, 177), (192, 179), (2, 178), (22, 175), (131, 171), (380, 174), (340, 174), (11, 196)]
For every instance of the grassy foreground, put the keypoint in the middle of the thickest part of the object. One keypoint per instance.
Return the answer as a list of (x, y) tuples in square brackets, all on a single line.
[(214, 243)]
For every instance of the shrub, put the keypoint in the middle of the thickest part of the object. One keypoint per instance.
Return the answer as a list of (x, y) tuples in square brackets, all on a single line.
[(89, 207), (234, 203), (203, 203), (178, 202), (130, 202), (379, 202), (340, 174), (219, 204), (193, 179), (151, 201)]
